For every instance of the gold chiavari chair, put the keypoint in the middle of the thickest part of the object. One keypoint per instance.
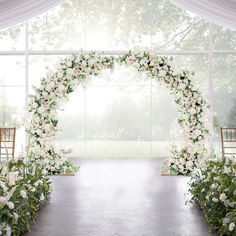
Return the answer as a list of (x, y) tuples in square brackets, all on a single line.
[(7, 142), (228, 141)]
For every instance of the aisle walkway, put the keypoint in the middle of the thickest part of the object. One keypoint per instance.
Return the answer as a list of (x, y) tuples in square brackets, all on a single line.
[(120, 198)]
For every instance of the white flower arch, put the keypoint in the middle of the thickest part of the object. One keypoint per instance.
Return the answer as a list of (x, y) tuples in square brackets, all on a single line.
[(77, 69)]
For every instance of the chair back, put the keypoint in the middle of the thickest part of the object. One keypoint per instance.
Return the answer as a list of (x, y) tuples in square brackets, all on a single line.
[(7, 143), (228, 141)]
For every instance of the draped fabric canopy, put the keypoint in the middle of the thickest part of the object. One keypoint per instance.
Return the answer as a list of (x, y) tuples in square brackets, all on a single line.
[(222, 12), (13, 12)]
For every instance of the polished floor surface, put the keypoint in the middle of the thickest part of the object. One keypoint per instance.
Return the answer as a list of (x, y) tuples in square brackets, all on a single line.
[(120, 198)]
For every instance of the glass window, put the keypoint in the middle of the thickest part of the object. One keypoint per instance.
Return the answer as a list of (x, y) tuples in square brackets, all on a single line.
[(61, 28), (114, 25), (224, 38), (71, 118), (224, 94), (12, 112), (40, 65), (118, 122), (165, 128), (12, 70), (13, 38), (175, 29)]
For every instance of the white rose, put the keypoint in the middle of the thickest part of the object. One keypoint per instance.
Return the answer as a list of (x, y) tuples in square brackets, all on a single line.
[(15, 216), (154, 71), (34, 105), (36, 119), (223, 197), (84, 64), (91, 62), (3, 199), (49, 87), (182, 86), (59, 74), (214, 199), (42, 197), (61, 87), (189, 163), (69, 63), (45, 94), (47, 127), (23, 194), (40, 110), (192, 111), (69, 71), (10, 205), (162, 73), (231, 226)]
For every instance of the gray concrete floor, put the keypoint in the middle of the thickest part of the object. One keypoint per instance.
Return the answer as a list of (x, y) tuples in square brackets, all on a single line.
[(120, 198)]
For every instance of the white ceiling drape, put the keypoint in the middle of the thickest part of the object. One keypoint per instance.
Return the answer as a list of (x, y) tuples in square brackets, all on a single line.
[(222, 12), (13, 12)]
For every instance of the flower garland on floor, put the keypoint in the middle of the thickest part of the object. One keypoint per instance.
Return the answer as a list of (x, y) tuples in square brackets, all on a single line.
[(77, 69), (214, 190), (21, 195)]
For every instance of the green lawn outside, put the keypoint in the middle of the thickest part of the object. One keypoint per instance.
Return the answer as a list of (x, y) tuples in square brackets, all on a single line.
[(115, 149), (119, 149)]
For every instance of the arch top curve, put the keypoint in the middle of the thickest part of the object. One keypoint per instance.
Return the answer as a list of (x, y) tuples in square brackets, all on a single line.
[(76, 69)]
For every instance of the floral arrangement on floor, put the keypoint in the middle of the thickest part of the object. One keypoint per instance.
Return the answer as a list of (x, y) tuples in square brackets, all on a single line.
[(214, 190), (78, 69), (24, 188)]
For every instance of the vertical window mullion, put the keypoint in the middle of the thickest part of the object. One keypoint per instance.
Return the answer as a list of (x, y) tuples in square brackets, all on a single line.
[(85, 90), (210, 82), (26, 75)]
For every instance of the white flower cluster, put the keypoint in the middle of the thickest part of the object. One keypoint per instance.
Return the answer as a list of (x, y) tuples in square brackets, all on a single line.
[(76, 70), (222, 188), (5, 230), (15, 189), (193, 109), (52, 93)]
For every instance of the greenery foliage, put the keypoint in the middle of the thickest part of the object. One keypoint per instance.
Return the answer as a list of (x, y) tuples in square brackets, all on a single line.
[(24, 188), (214, 190)]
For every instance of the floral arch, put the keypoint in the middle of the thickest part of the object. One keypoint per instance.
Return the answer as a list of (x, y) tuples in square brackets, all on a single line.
[(76, 69)]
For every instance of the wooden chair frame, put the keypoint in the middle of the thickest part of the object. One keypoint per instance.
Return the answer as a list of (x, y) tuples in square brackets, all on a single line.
[(7, 136), (228, 136)]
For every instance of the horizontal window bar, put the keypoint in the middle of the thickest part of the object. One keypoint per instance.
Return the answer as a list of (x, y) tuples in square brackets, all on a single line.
[(6, 85), (113, 52)]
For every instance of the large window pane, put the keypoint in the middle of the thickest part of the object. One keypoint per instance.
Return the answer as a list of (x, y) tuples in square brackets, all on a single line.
[(12, 102), (12, 70), (118, 122), (224, 38), (165, 128), (116, 25), (175, 29), (40, 65), (13, 38), (224, 94), (61, 28), (72, 124)]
